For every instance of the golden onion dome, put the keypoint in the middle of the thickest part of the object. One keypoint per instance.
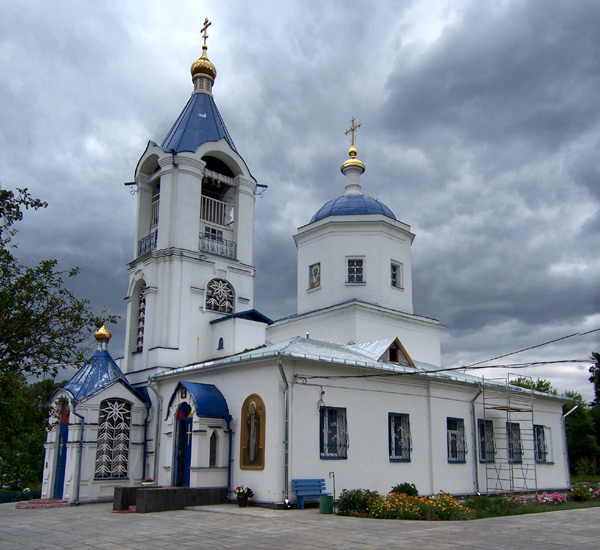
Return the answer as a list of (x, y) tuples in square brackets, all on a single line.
[(102, 334), (203, 67), (352, 161)]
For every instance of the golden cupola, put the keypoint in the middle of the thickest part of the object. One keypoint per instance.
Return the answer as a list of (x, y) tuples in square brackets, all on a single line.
[(203, 67)]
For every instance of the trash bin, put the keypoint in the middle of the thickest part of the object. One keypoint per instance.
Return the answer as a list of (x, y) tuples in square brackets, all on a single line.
[(326, 504)]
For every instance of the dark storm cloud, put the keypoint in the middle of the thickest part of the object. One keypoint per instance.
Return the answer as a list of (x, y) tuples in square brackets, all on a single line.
[(480, 129)]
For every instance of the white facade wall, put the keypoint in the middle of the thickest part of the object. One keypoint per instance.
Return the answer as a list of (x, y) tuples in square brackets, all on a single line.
[(376, 239)]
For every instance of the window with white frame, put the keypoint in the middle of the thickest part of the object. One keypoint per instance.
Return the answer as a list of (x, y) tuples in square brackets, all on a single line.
[(112, 452), (356, 270), (396, 275), (400, 441), (457, 444), (487, 447), (515, 449), (333, 433), (155, 205), (212, 233), (541, 444)]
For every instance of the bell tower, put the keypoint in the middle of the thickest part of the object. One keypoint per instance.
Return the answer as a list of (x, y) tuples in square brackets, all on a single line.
[(193, 255)]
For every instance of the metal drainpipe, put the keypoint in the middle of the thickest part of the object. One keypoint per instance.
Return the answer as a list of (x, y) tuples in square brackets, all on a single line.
[(474, 421), (76, 500), (158, 418), (286, 438), (566, 442)]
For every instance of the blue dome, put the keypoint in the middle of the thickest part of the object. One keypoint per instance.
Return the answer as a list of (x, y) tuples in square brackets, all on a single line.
[(351, 205)]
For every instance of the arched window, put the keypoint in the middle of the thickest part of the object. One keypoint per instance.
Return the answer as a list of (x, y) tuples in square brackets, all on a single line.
[(252, 444), (219, 296), (112, 453), (214, 440), (141, 320), (221, 344)]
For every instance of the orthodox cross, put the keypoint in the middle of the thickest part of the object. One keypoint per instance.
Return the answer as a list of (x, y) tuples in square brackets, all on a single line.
[(104, 310), (189, 434), (353, 128), (204, 28)]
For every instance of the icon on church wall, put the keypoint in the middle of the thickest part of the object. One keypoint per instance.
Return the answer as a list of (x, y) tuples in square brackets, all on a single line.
[(253, 434), (314, 276)]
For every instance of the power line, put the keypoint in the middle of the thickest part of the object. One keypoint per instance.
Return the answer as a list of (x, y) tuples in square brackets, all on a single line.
[(534, 347)]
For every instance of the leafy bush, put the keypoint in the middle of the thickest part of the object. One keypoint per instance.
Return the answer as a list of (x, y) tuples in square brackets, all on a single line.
[(355, 502), (409, 489), (402, 506), (580, 493), (495, 506), (554, 498)]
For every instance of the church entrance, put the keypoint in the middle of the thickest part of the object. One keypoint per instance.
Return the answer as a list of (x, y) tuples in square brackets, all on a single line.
[(183, 446), (61, 459)]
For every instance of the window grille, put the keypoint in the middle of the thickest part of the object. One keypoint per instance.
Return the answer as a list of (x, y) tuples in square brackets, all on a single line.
[(139, 345), (487, 447), (457, 444), (355, 271), (334, 433), (515, 449), (112, 452), (400, 441), (541, 447), (219, 296)]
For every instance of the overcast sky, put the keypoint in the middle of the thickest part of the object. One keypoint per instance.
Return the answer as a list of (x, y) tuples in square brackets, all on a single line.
[(481, 129)]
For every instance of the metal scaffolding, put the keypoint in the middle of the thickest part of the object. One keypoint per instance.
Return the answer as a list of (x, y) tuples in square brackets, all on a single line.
[(507, 437)]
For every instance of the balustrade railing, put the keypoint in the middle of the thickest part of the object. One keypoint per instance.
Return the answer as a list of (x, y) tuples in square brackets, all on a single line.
[(216, 212), (217, 245), (147, 243)]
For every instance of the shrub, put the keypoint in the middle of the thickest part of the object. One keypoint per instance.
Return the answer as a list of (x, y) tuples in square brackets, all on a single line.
[(355, 502), (494, 506), (409, 489), (580, 493), (402, 506), (554, 498)]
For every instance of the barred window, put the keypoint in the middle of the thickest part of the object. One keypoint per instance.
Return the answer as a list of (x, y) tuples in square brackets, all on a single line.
[(334, 433), (400, 441), (515, 449), (112, 452), (487, 447), (139, 343), (219, 296), (356, 270), (457, 444), (541, 446)]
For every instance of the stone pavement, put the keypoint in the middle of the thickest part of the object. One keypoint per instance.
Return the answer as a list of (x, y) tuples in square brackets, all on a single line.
[(94, 526)]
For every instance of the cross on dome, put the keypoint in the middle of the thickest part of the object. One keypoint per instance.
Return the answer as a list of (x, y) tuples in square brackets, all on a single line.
[(353, 128), (203, 30)]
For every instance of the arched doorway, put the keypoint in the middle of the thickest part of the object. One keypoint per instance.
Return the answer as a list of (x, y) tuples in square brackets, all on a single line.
[(183, 446), (61, 450)]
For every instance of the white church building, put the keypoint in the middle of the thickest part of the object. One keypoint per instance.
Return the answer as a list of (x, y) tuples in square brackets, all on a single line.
[(211, 393)]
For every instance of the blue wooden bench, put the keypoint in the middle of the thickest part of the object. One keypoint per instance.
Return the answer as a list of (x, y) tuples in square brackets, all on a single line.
[(308, 488)]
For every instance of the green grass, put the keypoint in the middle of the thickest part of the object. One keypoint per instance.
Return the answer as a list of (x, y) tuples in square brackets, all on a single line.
[(497, 506), (585, 479)]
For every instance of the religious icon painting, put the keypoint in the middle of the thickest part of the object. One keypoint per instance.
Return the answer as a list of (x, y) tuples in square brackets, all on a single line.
[(252, 444), (314, 276)]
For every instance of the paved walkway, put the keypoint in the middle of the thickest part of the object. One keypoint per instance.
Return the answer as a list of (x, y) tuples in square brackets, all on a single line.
[(94, 526)]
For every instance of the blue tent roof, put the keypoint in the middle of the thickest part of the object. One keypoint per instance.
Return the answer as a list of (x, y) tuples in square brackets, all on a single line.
[(208, 400), (352, 205), (100, 373), (199, 122)]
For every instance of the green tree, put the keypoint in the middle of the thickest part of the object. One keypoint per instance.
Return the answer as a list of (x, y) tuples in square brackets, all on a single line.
[(24, 411), (538, 385), (595, 378), (43, 326), (582, 441)]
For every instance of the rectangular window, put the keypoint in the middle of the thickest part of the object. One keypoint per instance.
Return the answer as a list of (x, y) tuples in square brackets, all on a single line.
[(334, 433), (212, 233), (356, 272), (541, 444), (487, 448), (400, 442), (155, 205), (396, 275), (515, 449), (457, 444)]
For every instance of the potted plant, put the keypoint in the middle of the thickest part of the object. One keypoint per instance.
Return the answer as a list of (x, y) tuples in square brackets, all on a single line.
[(243, 493), (148, 482)]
